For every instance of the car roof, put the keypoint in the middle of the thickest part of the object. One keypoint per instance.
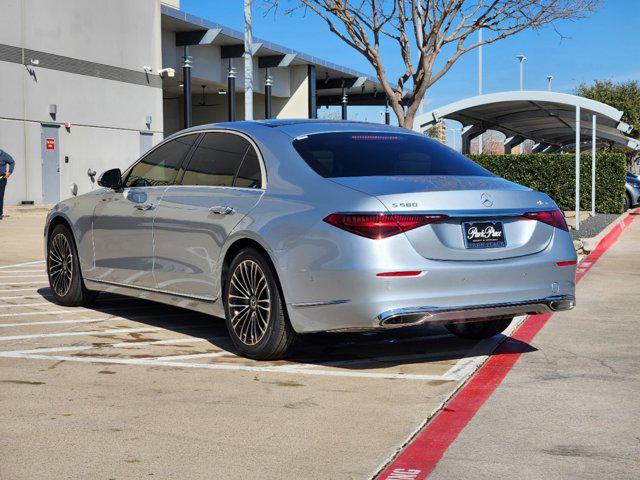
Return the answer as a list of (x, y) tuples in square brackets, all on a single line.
[(298, 127)]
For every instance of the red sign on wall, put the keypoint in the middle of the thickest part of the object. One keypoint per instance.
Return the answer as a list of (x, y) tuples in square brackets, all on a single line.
[(50, 143)]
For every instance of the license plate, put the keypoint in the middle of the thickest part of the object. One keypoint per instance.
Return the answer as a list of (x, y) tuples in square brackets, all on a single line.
[(483, 235)]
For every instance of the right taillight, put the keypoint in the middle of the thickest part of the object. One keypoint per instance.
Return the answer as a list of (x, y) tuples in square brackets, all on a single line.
[(555, 218)]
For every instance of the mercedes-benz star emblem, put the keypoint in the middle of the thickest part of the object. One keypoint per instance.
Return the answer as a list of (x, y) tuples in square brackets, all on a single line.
[(486, 200)]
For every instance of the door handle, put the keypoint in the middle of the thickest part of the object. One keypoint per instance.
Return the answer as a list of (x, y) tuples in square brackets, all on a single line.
[(221, 210), (143, 206)]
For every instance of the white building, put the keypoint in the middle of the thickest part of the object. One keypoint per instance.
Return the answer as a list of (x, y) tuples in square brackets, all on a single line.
[(81, 89)]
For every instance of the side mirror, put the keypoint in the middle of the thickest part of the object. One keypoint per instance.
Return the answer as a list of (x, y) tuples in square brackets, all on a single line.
[(111, 179)]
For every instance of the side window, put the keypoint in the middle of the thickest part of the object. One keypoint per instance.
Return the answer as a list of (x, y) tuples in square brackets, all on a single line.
[(249, 175), (217, 160), (160, 166)]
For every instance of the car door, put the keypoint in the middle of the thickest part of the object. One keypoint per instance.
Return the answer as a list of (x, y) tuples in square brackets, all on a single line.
[(220, 185), (123, 220)]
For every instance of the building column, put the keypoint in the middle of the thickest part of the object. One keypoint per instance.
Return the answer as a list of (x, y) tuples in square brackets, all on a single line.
[(345, 102), (312, 99), (512, 142), (231, 91), (186, 73), (268, 81), (468, 134), (387, 115)]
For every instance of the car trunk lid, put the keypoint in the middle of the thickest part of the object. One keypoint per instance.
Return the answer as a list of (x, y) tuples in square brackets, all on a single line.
[(478, 200)]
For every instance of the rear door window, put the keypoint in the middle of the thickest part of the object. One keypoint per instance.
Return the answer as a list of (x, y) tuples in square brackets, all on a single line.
[(366, 154), (223, 160)]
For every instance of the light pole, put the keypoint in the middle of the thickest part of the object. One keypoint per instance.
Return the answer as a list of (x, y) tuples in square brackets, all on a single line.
[(549, 78), (480, 77), (248, 62), (522, 58)]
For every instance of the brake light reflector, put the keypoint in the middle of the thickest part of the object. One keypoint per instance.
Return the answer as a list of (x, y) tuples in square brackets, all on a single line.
[(567, 263), (555, 218), (408, 273), (380, 225)]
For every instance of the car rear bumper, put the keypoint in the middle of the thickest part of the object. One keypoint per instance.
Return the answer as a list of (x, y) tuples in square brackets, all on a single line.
[(358, 299), (418, 315)]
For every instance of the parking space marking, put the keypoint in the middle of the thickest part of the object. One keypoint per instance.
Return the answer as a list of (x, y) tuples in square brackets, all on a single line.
[(191, 356), (36, 262), (22, 305), (57, 322), (73, 334), (124, 345), (48, 312), (2, 277), (15, 290), (230, 367), (34, 296), (43, 282)]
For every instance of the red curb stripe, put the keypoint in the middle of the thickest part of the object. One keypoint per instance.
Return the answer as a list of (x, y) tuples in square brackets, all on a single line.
[(420, 457)]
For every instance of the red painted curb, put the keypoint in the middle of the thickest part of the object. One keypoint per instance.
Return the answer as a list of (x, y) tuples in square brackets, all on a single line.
[(420, 457)]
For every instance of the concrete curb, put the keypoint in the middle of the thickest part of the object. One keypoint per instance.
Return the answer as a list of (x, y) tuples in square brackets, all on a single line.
[(589, 244)]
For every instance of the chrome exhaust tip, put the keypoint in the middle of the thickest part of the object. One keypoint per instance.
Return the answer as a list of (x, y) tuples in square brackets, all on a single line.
[(563, 304)]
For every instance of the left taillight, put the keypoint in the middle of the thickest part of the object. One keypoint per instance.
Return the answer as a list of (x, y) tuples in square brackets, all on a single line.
[(555, 218), (380, 225)]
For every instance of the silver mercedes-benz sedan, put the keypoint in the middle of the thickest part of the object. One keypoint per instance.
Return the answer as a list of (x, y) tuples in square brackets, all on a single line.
[(290, 227)]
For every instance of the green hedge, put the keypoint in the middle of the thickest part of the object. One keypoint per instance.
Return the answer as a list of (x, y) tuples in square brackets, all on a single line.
[(554, 174)]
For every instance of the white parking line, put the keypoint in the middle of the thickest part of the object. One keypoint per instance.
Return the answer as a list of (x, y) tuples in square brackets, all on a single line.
[(372, 360), (72, 309), (46, 312), (2, 277), (39, 270), (14, 290), (229, 367), (35, 296), (22, 305), (76, 334), (22, 264), (57, 322), (125, 345), (23, 283), (191, 356)]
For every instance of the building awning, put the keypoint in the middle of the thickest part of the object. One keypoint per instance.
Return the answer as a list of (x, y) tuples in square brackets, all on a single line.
[(362, 88)]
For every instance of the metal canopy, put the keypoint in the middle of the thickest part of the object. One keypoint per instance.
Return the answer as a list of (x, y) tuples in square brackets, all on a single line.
[(547, 118), (554, 121)]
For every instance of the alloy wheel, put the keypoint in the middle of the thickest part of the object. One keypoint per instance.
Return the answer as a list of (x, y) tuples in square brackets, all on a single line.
[(249, 302), (60, 264)]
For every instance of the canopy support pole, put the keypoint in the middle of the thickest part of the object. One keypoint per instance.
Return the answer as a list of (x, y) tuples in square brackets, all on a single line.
[(577, 224), (593, 166)]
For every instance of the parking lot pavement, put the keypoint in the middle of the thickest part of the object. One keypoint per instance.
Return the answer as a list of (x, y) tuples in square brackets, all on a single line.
[(129, 388), (570, 408)]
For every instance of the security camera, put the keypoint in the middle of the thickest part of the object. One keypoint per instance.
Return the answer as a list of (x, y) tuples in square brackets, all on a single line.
[(169, 71)]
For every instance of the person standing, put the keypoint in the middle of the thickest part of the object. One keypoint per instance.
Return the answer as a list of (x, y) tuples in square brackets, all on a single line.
[(6, 169)]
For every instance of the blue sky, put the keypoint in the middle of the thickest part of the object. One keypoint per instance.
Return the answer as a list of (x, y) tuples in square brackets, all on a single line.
[(604, 45)]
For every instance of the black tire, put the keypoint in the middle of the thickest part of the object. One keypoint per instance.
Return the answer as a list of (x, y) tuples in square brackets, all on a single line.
[(250, 286), (479, 330), (627, 202), (63, 270)]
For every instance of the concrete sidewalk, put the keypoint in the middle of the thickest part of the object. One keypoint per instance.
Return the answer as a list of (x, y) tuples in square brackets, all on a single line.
[(570, 409)]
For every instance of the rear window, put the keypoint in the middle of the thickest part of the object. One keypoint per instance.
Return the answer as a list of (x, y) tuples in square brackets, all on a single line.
[(372, 154)]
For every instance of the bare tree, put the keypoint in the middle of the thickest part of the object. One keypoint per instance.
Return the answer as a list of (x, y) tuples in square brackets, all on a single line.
[(425, 30)]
